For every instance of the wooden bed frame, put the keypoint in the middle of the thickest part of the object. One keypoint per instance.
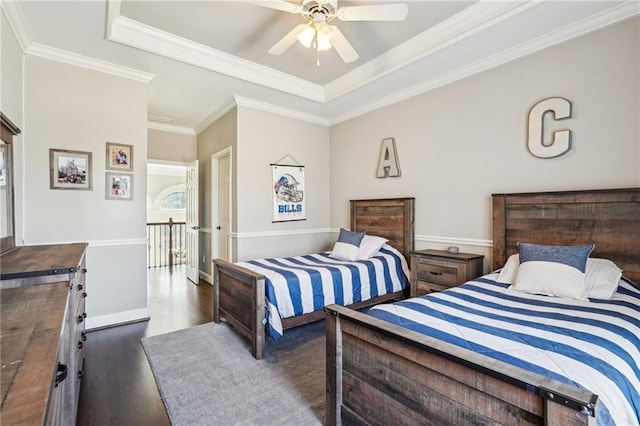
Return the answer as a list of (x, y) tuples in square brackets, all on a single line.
[(239, 293), (380, 373)]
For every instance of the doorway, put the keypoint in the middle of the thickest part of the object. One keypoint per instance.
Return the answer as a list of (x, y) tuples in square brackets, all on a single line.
[(166, 214)]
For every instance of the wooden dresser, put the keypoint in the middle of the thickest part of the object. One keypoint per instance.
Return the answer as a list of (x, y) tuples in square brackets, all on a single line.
[(435, 270), (42, 292)]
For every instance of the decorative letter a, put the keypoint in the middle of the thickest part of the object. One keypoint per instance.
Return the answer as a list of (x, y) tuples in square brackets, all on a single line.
[(388, 162)]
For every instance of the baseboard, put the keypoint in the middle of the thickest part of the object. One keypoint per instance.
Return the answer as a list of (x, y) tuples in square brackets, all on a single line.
[(206, 277), (119, 318)]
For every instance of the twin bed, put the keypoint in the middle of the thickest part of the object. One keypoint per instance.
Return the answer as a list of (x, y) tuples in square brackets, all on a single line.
[(282, 293), (479, 353), (484, 354)]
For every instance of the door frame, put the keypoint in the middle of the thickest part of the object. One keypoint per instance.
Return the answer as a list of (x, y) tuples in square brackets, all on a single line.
[(181, 164), (215, 160)]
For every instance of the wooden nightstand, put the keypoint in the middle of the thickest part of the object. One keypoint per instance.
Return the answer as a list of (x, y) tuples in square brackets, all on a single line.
[(435, 270)]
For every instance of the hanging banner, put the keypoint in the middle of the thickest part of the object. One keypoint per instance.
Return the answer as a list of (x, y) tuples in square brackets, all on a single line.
[(288, 193)]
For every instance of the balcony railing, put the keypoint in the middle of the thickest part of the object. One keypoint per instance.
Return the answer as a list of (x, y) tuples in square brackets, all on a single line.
[(165, 244)]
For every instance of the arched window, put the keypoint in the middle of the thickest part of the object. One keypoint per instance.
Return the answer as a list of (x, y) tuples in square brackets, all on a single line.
[(176, 200)]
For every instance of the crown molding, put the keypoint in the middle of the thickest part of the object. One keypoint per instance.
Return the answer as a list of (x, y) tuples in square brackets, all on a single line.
[(59, 55), (14, 16), (612, 16), (275, 109), (164, 127), (227, 106), (135, 34), (236, 101), (464, 24)]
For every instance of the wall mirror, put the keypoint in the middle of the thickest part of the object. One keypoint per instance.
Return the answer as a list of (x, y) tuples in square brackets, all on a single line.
[(7, 222)]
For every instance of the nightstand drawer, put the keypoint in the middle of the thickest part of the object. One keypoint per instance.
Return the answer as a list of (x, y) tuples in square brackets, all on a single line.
[(438, 274), (427, 287)]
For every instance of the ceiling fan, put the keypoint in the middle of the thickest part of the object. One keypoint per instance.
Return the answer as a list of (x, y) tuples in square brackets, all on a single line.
[(317, 33)]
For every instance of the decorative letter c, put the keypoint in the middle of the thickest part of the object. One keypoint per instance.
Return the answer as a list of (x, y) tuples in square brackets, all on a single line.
[(560, 140)]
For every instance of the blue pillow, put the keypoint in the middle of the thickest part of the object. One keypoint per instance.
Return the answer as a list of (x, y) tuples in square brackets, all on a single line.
[(553, 270), (348, 245)]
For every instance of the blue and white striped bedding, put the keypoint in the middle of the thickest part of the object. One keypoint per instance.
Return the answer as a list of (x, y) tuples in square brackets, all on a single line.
[(303, 284), (593, 344)]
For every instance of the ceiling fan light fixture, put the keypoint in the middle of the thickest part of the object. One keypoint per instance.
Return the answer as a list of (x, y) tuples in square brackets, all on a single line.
[(306, 36), (316, 36), (324, 34)]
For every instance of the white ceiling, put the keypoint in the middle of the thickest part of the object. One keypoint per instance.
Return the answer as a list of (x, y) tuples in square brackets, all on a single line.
[(201, 57)]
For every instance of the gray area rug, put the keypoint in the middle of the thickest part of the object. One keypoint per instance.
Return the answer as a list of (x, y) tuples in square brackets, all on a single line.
[(207, 376)]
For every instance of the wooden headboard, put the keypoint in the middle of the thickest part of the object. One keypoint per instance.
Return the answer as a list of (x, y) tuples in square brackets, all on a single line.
[(390, 218), (609, 218)]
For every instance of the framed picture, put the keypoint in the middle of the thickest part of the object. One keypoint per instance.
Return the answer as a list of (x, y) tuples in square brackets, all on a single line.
[(119, 157), (288, 193), (69, 169), (119, 186)]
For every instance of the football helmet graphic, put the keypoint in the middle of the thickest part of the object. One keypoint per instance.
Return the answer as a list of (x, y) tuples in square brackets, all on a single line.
[(286, 189)]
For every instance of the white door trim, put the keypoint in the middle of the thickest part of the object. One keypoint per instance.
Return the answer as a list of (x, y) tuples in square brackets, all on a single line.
[(215, 159)]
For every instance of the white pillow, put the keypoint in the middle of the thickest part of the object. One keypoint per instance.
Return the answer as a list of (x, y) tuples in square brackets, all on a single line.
[(552, 270), (602, 276), (509, 270), (370, 245), (348, 245)]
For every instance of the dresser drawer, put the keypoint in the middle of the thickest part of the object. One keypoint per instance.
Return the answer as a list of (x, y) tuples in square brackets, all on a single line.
[(437, 272)]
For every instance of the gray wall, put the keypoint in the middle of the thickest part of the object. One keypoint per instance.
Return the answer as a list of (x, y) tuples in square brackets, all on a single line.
[(171, 146), (460, 143), (223, 133), (11, 104), (265, 138)]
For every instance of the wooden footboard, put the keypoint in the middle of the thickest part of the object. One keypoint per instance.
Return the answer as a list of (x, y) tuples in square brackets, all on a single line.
[(380, 373), (238, 296)]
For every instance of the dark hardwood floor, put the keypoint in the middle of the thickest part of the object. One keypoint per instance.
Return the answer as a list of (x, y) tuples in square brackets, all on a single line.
[(118, 387)]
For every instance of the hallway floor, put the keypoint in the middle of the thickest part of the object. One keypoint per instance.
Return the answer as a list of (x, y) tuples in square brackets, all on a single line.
[(118, 387)]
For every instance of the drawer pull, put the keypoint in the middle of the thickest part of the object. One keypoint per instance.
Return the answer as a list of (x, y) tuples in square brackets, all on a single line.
[(62, 373), (435, 273)]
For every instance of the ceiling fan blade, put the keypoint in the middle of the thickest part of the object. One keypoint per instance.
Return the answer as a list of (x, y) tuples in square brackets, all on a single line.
[(380, 12), (287, 41), (342, 46), (279, 5)]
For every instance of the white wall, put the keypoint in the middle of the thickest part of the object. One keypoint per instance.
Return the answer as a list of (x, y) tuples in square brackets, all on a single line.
[(76, 109), (265, 138), (460, 143)]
